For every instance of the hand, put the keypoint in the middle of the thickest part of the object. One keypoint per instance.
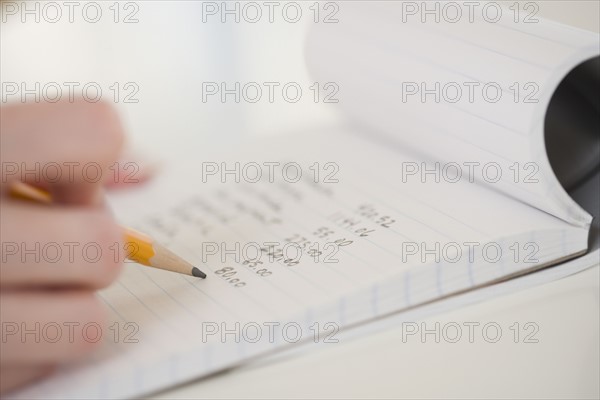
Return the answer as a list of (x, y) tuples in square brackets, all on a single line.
[(47, 274)]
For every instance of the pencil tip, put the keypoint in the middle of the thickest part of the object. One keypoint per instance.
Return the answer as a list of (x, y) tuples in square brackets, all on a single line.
[(198, 273)]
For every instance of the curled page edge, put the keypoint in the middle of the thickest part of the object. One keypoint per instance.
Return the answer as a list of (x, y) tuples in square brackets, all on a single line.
[(323, 42)]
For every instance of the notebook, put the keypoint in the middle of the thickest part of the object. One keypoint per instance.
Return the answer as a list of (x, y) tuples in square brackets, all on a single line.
[(410, 202)]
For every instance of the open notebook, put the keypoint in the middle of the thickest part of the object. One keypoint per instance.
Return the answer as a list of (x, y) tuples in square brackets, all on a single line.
[(370, 234)]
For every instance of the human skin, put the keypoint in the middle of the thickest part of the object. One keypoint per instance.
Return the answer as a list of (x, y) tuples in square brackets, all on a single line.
[(54, 291)]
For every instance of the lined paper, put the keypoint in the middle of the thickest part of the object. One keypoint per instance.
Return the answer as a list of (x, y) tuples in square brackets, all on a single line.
[(380, 47), (170, 311)]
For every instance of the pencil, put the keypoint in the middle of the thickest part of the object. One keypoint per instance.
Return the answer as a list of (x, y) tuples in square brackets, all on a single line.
[(139, 247)]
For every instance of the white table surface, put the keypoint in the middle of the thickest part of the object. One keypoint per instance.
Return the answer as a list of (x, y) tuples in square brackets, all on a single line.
[(563, 364)]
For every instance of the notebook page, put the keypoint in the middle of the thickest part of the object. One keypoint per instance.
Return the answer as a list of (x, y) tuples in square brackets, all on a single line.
[(163, 324), (461, 85)]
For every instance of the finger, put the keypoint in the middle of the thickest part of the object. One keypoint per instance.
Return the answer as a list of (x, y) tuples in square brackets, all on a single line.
[(49, 327), (58, 246), (65, 147), (13, 377)]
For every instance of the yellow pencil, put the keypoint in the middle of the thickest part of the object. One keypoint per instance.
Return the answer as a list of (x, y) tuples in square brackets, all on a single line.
[(139, 247)]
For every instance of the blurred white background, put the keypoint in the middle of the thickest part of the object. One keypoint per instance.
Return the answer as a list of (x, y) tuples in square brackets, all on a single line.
[(172, 49), (168, 54)]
